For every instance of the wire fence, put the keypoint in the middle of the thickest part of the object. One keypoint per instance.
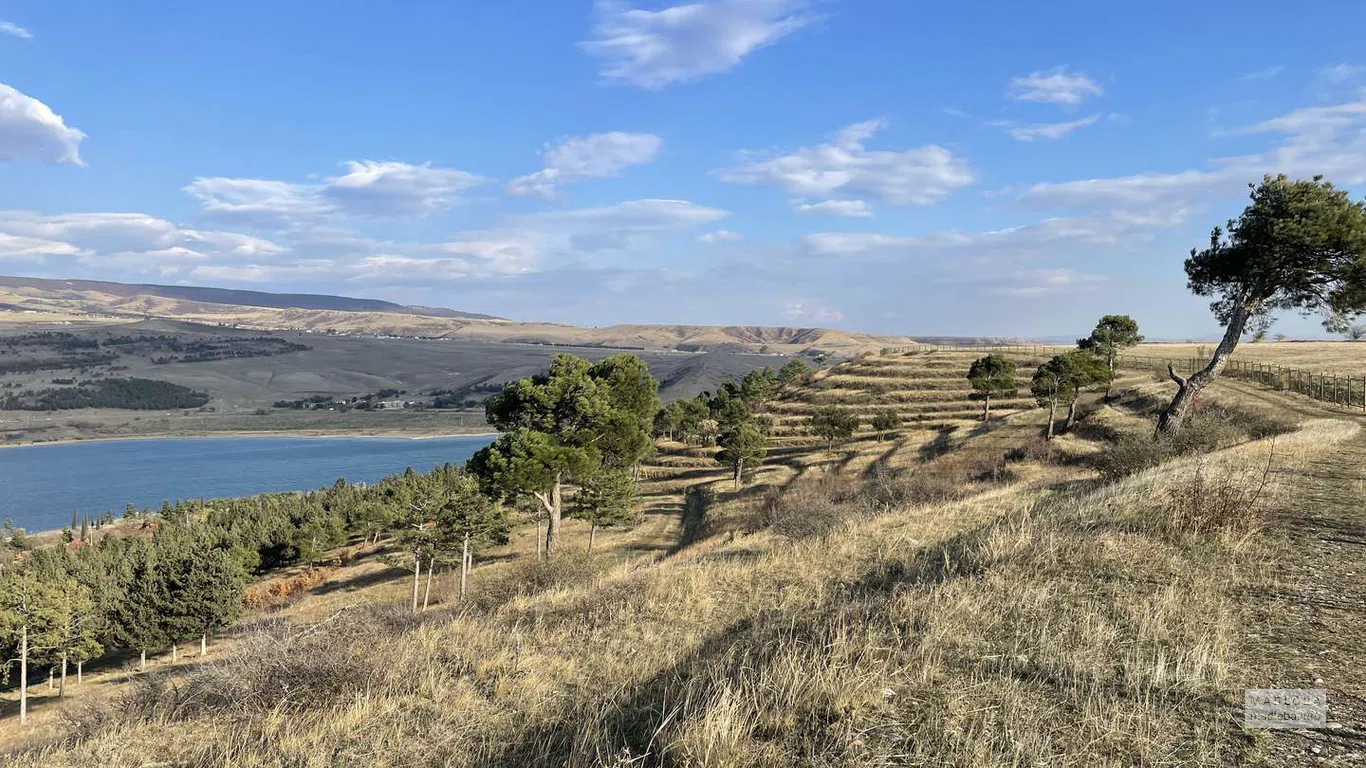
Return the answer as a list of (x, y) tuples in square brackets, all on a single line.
[(1336, 388)]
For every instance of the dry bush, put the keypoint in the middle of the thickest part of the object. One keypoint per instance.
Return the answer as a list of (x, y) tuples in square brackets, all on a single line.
[(530, 577), (1211, 427), (1034, 448), (1215, 499), (812, 507)]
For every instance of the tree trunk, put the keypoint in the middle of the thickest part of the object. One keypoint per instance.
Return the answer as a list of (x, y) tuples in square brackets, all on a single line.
[(427, 590), (50, 674), (1071, 414), (1052, 415), (986, 406), (175, 653), (204, 644), (539, 541), (1173, 418), (1110, 382), (465, 565), (739, 474), (142, 660), (80, 672), (61, 687), (417, 577), (592, 533), (23, 675), (553, 507)]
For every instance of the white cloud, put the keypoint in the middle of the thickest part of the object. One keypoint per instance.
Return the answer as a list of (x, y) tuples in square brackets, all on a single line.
[(720, 236), (1049, 131), (14, 30), (370, 188), (133, 238), (1340, 73), (911, 177), (1048, 282), (1262, 74), (855, 209), (1328, 140), (653, 49), (367, 189), (262, 202), (29, 129), (20, 248), (1054, 86), (599, 155), (806, 311), (499, 252), (1031, 239)]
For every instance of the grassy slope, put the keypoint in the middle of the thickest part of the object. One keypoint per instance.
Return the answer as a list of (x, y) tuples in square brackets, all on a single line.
[(1028, 624)]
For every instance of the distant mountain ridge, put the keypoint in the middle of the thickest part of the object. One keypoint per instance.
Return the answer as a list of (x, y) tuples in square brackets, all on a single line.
[(25, 300), (237, 297)]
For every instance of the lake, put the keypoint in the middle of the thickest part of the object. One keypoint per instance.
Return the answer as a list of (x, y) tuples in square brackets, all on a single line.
[(40, 485)]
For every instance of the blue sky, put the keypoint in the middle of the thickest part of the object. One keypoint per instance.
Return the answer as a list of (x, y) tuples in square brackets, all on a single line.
[(887, 166)]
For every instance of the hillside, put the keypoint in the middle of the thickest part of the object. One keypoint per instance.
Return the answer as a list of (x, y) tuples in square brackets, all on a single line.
[(244, 373), (31, 300), (955, 593)]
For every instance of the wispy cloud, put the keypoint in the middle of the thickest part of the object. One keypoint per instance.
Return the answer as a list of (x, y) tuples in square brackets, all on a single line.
[(1262, 74), (1054, 86), (1046, 131), (653, 49), (599, 155), (14, 30)]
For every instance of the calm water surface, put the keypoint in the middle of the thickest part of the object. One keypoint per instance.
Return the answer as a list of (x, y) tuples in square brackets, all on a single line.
[(40, 485)]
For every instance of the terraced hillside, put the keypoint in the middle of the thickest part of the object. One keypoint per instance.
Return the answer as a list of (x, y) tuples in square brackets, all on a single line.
[(927, 389)]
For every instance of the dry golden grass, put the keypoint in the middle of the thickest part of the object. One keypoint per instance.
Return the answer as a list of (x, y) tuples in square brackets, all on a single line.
[(1342, 357), (1039, 621), (1021, 626)]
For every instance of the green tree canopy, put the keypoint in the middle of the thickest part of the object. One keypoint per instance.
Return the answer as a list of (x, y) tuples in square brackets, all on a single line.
[(831, 423), (605, 499), (992, 375), (1112, 335), (794, 371), (743, 446), (564, 424)]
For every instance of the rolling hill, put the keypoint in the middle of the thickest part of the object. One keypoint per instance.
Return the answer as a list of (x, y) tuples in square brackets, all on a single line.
[(25, 300)]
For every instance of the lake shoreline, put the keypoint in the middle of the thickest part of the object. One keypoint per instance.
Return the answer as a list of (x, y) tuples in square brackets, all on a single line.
[(396, 434)]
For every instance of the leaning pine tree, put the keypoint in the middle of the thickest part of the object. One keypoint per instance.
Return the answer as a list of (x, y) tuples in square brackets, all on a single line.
[(1298, 245)]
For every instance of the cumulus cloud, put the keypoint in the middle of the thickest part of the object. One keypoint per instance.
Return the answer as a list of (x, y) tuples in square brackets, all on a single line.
[(599, 155), (29, 129), (261, 202), (653, 49), (368, 189), (1047, 131), (14, 30), (20, 248), (720, 236), (846, 166), (855, 209), (1054, 86), (134, 238)]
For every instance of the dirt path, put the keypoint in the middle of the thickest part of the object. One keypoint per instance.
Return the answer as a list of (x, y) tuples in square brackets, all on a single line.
[(1307, 626)]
